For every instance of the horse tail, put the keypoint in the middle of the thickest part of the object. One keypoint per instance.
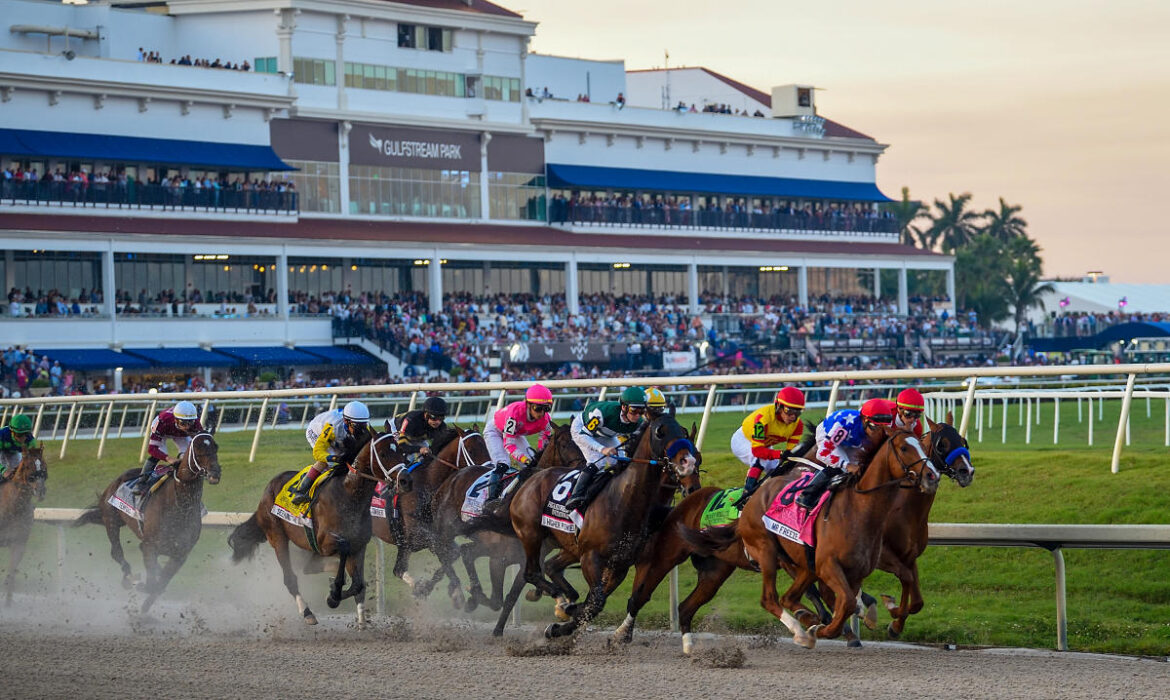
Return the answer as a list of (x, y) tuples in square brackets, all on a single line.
[(91, 516), (708, 541), (245, 538)]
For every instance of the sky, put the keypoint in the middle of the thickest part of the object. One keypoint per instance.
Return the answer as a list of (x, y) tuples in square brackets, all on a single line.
[(1062, 107)]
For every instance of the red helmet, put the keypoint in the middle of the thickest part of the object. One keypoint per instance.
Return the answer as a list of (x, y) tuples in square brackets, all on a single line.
[(791, 397), (879, 411), (911, 400)]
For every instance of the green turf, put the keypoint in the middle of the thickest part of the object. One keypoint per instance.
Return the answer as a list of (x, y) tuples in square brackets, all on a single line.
[(1119, 601)]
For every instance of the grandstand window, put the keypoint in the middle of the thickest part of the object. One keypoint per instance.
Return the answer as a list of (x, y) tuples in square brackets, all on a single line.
[(313, 71), (407, 36), (45, 270), (318, 184), (265, 64), (413, 36), (382, 191), (516, 196)]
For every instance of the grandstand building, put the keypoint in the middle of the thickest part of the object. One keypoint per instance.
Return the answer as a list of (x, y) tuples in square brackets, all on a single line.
[(255, 150)]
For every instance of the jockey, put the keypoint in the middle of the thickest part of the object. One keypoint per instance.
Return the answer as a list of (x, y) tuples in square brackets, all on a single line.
[(909, 416), (655, 403), (14, 437), (768, 437), (600, 430), (418, 429), (180, 424), (508, 429), (336, 436), (840, 439)]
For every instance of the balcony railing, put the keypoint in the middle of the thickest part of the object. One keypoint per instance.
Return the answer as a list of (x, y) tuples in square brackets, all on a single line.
[(115, 195), (618, 216)]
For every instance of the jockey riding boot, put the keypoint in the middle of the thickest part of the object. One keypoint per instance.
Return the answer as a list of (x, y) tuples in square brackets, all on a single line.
[(812, 493), (581, 488), (146, 478), (750, 485), (300, 491), (495, 482)]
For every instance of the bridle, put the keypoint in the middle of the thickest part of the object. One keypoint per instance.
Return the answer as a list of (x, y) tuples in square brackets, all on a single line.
[(910, 478), (462, 454), (192, 460), (945, 464), (376, 460)]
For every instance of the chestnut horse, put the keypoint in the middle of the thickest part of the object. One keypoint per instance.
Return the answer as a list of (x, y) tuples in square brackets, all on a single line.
[(849, 535), (341, 518), (616, 524), (172, 516), (16, 509), (902, 542)]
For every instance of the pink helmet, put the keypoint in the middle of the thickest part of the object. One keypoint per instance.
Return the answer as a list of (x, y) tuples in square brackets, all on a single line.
[(538, 393)]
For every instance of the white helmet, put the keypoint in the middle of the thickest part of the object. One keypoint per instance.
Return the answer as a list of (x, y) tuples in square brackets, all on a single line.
[(185, 410), (356, 411)]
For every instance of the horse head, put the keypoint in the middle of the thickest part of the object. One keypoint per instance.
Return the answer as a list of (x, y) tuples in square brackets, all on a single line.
[(669, 439), (378, 460), (200, 461), (906, 461), (473, 449), (32, 470), (561, 451), (949, 453)]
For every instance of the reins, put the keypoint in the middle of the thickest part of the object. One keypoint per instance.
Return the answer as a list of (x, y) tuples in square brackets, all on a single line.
[(908, 480)]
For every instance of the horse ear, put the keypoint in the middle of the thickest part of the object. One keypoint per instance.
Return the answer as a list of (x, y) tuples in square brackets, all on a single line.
[(673, 409), (950, 418), (694, 430), (552, 424), (386, 426), (930, 425)]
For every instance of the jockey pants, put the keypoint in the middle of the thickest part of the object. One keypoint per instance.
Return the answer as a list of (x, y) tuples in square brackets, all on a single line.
[(591, 446), (496, 444)]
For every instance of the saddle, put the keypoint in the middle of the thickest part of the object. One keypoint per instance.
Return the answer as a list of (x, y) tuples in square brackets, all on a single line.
[(721, 510), (298, 514), (124, 499), (476, 496), (789, 520), (557, 516)]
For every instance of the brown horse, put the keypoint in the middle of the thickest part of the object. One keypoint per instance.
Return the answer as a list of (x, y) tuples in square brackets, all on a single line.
[(906, 532), (16, 509), (172, 516), (616, 524), (341, 520), (849, 536)]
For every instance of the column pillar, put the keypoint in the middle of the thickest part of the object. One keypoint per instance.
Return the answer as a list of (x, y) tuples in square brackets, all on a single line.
[(343, 130), (524, 81), (726, 284), (339, 71), (802, 285), (951, 288), (693, 286), (284, 32), (877, 283), (9, 270), (487, 279), (282, 283), (903, 301), (572, 286), (484, 190), (435, 283), (109, 284)]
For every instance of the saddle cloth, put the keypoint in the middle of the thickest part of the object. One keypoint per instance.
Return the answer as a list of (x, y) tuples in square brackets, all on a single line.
[(472, 507), (378, 502), (555, 515), (125, 500), (286, 510), (719, 510), (788, 520)]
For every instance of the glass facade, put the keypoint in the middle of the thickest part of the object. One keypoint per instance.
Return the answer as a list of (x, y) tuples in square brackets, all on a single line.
[(517, 196), (216, 277), (318, 184), (67, 273), (503, 278), (314, 71), (413, 192), (501, 89), (265, 64), (369, 76), (597, 278)]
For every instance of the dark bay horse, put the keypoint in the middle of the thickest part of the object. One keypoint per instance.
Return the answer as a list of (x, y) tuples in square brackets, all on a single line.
[(849, 535), (616, 524), (341, 518), (16, 509), (906, 532), (172, 519)]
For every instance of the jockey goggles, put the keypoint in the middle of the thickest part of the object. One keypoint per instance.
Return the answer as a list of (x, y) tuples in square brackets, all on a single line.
[(539, 407)]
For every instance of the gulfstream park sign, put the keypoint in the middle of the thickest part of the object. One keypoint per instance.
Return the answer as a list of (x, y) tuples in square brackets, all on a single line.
[(406, 147), (417, 149)]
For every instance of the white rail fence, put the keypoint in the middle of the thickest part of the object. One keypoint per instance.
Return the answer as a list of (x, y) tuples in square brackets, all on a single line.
[(1054, 538)]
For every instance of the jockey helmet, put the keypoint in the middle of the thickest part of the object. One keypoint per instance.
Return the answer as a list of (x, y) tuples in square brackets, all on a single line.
[(20, 423), (185, 412), (880, 411), (435, 406), (911, 400), (790, 397), (356, 412), (538, 393), (655, 401), (633, 396)]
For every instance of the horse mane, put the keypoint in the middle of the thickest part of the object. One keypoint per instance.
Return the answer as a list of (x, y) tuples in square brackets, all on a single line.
[(444, 438)]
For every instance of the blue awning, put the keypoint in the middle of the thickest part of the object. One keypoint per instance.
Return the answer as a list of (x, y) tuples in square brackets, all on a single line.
[(272, 356), (585, 176), (1112, 334), (339, 355), (182, 357), (23, 142), (85, 360)]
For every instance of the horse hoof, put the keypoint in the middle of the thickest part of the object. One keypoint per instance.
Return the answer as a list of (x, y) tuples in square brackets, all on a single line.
[(471, 604), (688, 643), (552, 631), (310, 618), (458, 602), (532, 595), (853, 643), (890, 604), (871, 617), (892, 633), (807, 638), (332, 602)]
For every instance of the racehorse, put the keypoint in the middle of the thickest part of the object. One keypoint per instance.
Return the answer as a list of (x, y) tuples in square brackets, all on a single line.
[(172, 516), (849, 536), (16, 509), (616, 524), (906, 535), (341, 525), (903, 540)]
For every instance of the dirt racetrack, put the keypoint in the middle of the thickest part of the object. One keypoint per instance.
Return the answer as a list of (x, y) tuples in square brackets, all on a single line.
[(98, 649)]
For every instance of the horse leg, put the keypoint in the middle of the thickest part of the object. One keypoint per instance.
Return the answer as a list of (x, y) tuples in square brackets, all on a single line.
[(647, 576), (334, 599), (279, 542), (355, 565), (497, 569), (509, 603), (771, 601), (150, 563), (174, 563), (554, 568), (533, 573), (868, 611), (600, 580), (469, 553), (447, 552), (15, 554), (830, 600), (911, 598), (712, 573), (113, 527), (845, 603)]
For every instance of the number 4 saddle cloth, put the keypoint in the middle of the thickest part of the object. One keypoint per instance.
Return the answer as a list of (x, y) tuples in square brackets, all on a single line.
[(790, 521)]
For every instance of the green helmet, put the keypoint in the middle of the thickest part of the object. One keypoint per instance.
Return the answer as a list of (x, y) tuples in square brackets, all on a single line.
[(20, 423), (634, 396)]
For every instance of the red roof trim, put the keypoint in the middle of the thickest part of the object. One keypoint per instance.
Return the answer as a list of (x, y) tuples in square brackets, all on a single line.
[(438, 232), (480, 6)]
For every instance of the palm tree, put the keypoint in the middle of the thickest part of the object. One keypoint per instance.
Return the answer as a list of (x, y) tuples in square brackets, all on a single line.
[(954, 225), (979, 274), (1005, 224), (905, 213), (1023, 276)]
